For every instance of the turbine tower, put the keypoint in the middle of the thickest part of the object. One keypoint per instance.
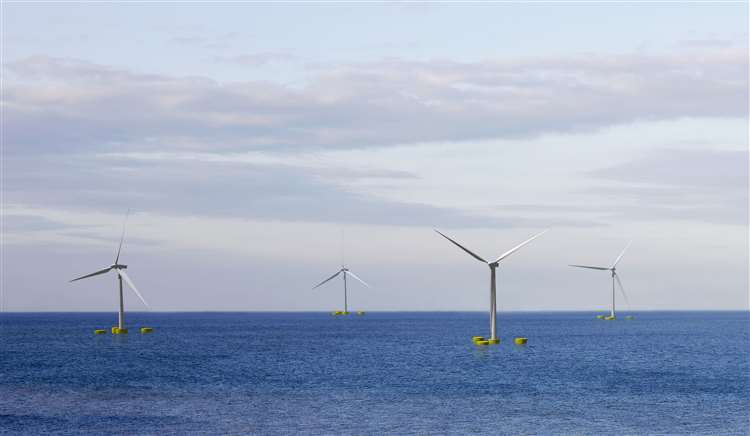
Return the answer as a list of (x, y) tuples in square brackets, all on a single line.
[(615, 278), (344, 271), (120, 269), (493, 286)]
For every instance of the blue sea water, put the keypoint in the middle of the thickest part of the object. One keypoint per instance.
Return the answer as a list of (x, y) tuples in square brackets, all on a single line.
[(382, 373)]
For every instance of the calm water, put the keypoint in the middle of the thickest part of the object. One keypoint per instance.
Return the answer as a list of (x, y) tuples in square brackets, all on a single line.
[(384, 373)]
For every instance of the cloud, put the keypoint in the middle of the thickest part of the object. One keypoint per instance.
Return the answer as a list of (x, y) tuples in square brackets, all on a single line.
[(256, 59), (89, 106), (111, 138), (24, 223), (314, 164), (695, 185), (199, 38), (713, 42), (220, 187)]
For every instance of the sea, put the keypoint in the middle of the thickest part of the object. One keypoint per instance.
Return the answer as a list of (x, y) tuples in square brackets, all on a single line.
[(396, 373)]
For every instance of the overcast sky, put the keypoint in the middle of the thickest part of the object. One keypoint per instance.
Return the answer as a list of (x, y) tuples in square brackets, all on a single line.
[(260, 145)]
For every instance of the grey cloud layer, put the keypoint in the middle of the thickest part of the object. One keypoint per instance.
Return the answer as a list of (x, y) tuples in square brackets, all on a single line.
[(57, 103), (62, 115), (694, 185), (273, 192)]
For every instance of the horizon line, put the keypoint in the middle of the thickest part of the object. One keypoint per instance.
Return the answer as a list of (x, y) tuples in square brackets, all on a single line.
[(379, 311)]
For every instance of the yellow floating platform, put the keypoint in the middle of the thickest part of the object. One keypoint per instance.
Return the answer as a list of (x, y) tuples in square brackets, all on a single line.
[(147, 330), (610, 318), (477, 338), (482, 342), (99, 331), (521, 341), (340, 312), (493, 341), (599, 316), (118, 331)]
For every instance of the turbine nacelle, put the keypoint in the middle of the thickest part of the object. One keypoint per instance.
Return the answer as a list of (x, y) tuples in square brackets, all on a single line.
[(495, 263), (119, 266)]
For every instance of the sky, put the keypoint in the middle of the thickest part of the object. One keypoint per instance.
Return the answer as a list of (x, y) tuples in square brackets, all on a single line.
[(260, 146)]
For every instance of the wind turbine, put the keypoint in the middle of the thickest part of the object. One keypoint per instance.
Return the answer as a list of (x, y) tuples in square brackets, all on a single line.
[(120, 269), (615, 278), (493, 288), (344, 271)]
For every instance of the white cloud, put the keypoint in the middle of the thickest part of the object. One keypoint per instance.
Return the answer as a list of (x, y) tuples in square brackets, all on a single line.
[(364, 105)]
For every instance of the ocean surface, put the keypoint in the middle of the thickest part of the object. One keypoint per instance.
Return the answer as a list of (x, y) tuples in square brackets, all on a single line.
[(382, 373)]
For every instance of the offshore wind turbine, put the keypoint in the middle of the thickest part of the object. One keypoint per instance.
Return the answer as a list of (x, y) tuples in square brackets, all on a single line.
[(344, 271), (493, 283), (120, 270), (615, 278)]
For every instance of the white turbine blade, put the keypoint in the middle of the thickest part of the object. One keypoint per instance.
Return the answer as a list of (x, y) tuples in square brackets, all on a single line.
[(122, 238), (101, 271), (475, 256), (512, 250), (328, 279), (620, 256), (356, 278), (622, 289), (591, 267), (132, 286)]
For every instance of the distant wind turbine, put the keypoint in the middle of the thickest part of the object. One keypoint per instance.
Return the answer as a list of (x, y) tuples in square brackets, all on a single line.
[(615, 278), (120, 269), (344, 271), (493, 267)]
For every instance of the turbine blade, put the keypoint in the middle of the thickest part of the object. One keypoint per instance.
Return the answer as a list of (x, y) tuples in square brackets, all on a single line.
[(512, 250), (122, 238), (591, 267), (620, 256), (328, 279), (357, 278), (101, 271), (622, 289), (475, 256), (132, 286)]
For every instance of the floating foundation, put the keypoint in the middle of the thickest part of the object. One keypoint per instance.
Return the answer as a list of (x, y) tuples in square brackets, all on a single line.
[(340, 312), (480, 340), (610, 318), (99, 331), (521, 341), (147, 330), (600, 316), (119, 331)]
